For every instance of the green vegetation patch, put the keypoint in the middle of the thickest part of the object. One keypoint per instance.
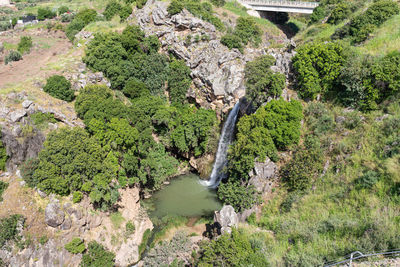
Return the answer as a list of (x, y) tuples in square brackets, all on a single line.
[(3, 187), (59, 87), (97, 255), (76, 246), (9, 229)]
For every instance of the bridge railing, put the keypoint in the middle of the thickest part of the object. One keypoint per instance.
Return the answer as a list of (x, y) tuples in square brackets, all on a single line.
[(281, 3)]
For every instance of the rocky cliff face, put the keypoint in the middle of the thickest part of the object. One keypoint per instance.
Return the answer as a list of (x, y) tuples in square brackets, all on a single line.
[(217, 72)]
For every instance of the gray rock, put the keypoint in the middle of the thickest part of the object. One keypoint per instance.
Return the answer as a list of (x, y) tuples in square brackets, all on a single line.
[(262, 175), (66, 225), (26, 104), (1, 47), (340, 119), (41, 193), (17, 115), (54, 216), (94, 221), (226, 218)]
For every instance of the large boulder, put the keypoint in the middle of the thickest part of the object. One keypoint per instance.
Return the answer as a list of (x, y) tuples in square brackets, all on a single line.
[(54, 216), (262, 175), (226, 218)]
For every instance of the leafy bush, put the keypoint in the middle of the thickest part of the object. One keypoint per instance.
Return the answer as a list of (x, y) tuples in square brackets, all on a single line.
[(76, 246), (63, 9), (276, 125), (97, 255), (317, 66), (8, 228), (129, 229), (135, 88), (386, 72), (41, 120), (235, 249), (232, 41), (125, 12), (178, 81), (59, 87), (341, 12), (3, 156), (112, 9), (299, 173), (25, 44), (72, 161), (362, 25), (45, 13), (12, 56), (77, 197), (218, 3), (204, 12), (318, 14), (83, 18), (261, 82), (28, 169), (367, 180), (175, 7), (140, 3), (3, 187), (238, 196)]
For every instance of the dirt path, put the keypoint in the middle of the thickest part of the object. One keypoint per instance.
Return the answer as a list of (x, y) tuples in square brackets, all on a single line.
[(33, 64)]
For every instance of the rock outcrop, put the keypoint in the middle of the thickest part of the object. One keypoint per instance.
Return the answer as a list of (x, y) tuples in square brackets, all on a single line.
[(226, 218), (54, 216), (262, 175), (217, 72)]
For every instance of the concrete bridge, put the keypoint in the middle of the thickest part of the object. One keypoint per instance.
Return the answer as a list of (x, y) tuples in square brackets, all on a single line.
[(280, 6)]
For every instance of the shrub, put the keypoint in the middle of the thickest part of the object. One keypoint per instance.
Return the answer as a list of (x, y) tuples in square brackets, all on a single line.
[(125, 12), (218, 3), (232, 41), (77, 197), (317, 65), (248, 30), (367, 180), (41, 120), (8, 228), (12, 56), (175, 7), (261, 82), (299, 173), (112, 9), (59, 87), (45, 13), (63, 9), (27, 170), (97, 255), (135, 88), (25, 44), (140, 3), (386, 72), (238, 195), (3, 187), (341, 12), (129, 229), (83, 18), (318, 14), (3, 156), (178, 81), (76, 246)]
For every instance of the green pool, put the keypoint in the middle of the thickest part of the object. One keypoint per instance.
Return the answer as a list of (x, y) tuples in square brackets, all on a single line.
[(184, 196)]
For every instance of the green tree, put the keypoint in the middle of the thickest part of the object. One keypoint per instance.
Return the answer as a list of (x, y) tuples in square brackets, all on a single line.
[(59, 87), (97, 256), (76, 246), (341, 12), (238, 195), (112, 9), (135, 88), (178, 81), (25, 44), (317, 66), (45, 13), (174, 7)]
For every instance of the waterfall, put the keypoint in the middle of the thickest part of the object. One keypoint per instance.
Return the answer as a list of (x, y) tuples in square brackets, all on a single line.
[(225, 140)]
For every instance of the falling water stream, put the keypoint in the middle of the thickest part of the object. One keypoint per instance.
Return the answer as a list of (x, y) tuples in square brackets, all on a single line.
[(221, 160)]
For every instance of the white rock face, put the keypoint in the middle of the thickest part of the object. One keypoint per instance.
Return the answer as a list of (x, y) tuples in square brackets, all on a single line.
[(227, 218)]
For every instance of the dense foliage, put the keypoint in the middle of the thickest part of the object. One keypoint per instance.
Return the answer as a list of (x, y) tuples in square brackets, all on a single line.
[(25, 44), (361, 26), (238, 195), (236, 249), (274, 126), (76, 246), (12, 56), (175, 7), (9, 228), (261, 82), (83, 18), (3, 187), (59, 87), (3, 156), (115, 8), (246, 31), (317, 67), (97, 256), (45, 13), (178, 81)]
